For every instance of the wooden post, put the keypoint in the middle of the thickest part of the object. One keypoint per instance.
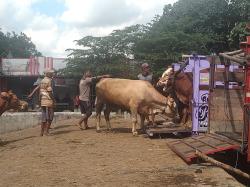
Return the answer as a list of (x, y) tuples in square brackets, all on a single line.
[(245, 46), (222, 165)]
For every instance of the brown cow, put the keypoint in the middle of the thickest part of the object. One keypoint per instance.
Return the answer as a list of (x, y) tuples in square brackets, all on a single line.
[(178, 85), (9, 100), (24, 106), (134, 95)]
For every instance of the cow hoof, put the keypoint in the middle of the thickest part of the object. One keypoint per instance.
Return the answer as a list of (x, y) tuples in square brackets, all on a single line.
[(98, 131), (135, 133)]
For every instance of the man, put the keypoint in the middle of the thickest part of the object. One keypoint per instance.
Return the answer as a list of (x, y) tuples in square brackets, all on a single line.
[(84, 97), (146, 75), (47, 100)]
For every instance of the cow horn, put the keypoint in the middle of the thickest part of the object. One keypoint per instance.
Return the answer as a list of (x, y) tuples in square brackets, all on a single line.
[(181, 68)]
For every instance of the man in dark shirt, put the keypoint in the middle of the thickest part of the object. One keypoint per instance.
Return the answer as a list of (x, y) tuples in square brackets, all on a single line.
[(84, 97), (146, 75)]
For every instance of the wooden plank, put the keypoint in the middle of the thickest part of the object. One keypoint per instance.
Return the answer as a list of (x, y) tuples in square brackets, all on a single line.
[(185, 148), (234, 59), (234, 52), (218, 137), (204, 142)]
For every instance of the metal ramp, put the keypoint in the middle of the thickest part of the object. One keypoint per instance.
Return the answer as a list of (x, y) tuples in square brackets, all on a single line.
[(161, 131), (167, 128), (207, 144)]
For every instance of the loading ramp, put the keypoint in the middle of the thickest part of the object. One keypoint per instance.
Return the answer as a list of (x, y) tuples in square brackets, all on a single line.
[(205, 143)]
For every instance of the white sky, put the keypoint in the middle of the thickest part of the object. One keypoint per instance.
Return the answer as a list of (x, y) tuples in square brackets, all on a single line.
[(53, 25)]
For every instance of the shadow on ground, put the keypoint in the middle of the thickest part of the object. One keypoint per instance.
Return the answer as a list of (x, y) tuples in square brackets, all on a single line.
[(3, 143)]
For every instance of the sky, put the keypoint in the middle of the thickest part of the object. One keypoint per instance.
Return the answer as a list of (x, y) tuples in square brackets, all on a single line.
[(53, 25)]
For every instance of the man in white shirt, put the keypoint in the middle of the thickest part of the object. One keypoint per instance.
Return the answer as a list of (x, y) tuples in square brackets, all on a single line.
[(84, 97)]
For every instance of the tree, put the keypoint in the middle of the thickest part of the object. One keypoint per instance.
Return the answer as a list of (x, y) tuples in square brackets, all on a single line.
[(109, 54), (18, 45), (239, 31), (212, 19), (201, 26)]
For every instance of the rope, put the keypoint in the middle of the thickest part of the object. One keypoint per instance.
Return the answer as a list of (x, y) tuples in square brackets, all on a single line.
[(237, 159)]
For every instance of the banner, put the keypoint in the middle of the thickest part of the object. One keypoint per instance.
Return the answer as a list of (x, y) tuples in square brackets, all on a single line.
[(33, 66)]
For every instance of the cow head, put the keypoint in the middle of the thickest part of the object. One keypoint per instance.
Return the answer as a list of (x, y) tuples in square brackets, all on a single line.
[(8, 100), (169, 110), (23, 106), (165, 81)]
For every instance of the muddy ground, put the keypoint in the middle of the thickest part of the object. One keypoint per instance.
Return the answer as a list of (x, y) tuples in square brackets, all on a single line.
[(71, 157)]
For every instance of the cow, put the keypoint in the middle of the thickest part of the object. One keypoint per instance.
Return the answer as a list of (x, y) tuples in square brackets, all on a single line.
[(178, 85), (24, 106), (137, 96), (9, 100)]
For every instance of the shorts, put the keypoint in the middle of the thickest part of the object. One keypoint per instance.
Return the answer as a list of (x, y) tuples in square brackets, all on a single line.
[(85, 107), (47, 114)]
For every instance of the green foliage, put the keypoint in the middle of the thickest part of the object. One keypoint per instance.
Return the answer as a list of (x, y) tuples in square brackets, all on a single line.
[(17, 45), (238, 34), (109, 54), (208, 20), (201, 26)]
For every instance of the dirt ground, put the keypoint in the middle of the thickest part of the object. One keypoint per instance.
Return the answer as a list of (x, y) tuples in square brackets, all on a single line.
[(71, 157)]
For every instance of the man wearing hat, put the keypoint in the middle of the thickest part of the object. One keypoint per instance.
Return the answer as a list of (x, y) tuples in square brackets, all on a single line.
[(47, 100), (145, 75)]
